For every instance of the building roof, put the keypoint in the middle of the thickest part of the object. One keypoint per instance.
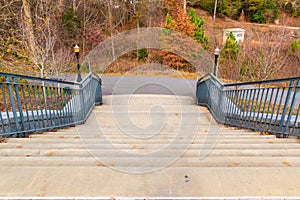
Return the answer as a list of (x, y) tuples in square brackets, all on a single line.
[(234, 30)]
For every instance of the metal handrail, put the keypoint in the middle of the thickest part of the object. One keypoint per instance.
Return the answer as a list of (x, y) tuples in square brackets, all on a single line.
[(262, 82), (37, 78), (259, 105), (30, 104)]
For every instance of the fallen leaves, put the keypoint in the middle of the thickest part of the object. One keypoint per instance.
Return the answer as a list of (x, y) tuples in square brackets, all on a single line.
[(286, 163), (265, 133), (52, 153)]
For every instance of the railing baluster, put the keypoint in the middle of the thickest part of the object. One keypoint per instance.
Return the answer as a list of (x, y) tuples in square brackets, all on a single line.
[(270, 128), (55, 101), (248, 111), (51, 107), (75, 104), (68, 112), (235, 108), (2, 124), (225, 101), (278, 111), (41, 105), (26, 111), (242, 105), (256, 121), (296, 87), (61, 104), (48, 105), (209, 83), (6, 109), (285, 109), (231, 101), (13, 106), (296, 119), (44, 102), (1, 118), (34, 93), (268, 110), (31, 107), (58, 107), (298, 134), (255, 102), (263, 110), (54, 106), (20, 107), (82, 110)]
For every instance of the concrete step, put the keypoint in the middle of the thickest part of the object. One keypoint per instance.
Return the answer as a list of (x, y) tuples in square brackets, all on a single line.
[(167, 135), (157, 142), (143, 161), (110, 109), (163, 153), (221, 131), (146, 99), (99, 150), (72, 145)]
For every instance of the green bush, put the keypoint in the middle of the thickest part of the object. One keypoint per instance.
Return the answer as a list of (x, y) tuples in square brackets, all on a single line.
[(260, 11), (199, 30), (142, 54), (71, 22), (295, 47), (207, 5), (258, 17)]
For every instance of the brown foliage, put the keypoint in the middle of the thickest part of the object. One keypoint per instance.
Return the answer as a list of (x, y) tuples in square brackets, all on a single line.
[(180, 23)]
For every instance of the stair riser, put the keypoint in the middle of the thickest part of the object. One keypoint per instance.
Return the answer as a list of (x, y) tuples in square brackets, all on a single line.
[(148, 152), (156, 162)]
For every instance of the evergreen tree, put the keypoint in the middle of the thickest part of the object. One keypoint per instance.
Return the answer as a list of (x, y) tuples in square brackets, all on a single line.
[(231, 48)]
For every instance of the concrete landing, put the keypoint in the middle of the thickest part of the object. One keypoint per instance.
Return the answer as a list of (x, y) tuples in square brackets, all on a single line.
[(169, 182)]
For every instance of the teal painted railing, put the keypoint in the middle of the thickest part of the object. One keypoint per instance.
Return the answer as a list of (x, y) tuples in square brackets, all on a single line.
[(267, 106), (31, 104)]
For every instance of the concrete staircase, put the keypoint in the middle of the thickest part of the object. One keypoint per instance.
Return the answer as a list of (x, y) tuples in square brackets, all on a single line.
[(150, 146)]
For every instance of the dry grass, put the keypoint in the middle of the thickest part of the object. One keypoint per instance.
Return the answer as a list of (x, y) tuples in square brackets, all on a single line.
[(177, 74), (262, 107)]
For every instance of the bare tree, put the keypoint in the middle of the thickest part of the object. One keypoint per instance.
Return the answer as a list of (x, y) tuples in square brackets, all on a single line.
[(39, 32), (9, 40), (268, 55)]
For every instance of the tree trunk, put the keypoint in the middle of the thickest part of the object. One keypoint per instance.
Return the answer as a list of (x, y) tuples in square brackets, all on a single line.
[(74, 5), (184, 8), (28, 31), (84, 28), (110, 21)]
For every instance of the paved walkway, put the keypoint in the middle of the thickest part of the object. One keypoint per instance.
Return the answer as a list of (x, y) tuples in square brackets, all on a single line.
[(147, 85)]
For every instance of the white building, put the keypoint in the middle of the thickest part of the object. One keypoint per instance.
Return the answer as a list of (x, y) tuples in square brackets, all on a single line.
[(238, 33)]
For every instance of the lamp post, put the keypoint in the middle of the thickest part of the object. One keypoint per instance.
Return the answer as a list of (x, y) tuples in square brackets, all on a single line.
[(217, 53), (215, 11), (76, 51)]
